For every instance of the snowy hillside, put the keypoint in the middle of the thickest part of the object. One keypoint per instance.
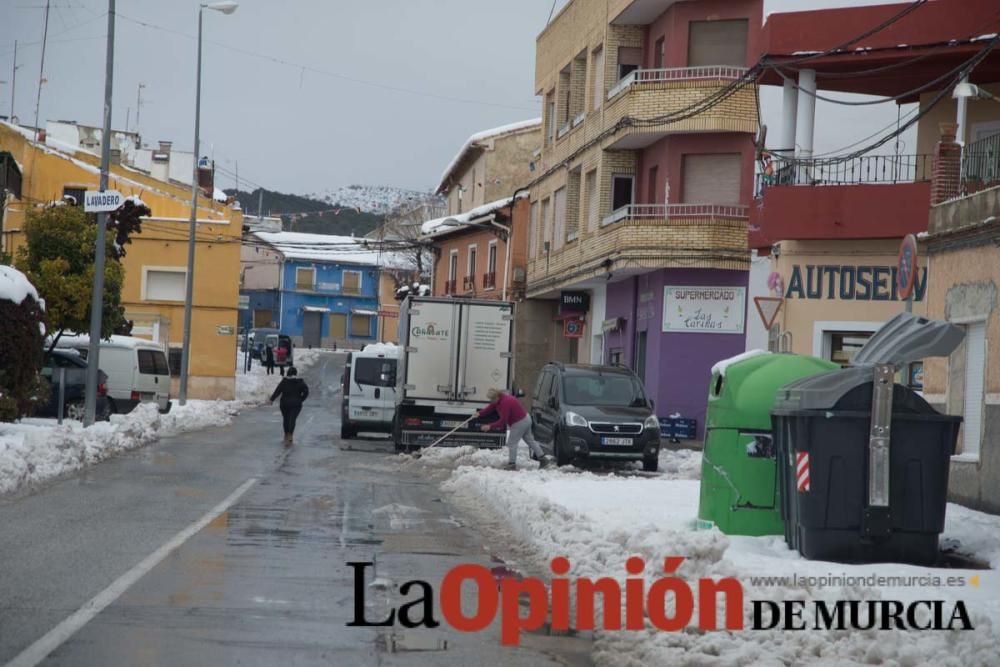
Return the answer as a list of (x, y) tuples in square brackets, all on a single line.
[(370, 198)]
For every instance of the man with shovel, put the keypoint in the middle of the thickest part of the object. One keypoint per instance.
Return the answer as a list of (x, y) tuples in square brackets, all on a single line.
[(513, 417)]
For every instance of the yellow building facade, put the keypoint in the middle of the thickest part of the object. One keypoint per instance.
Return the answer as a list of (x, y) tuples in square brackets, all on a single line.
[(156, 260)]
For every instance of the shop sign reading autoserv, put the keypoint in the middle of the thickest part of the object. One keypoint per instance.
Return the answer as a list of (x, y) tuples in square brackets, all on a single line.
[(704, 309)]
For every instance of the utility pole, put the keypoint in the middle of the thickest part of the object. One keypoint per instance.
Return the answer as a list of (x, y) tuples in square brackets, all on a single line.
[(97, 297), (260, 204), (41, 68), (138, 105), (13, 85)]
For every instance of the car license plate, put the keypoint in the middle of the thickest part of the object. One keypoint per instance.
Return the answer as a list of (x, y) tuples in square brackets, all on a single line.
[(617, 442)]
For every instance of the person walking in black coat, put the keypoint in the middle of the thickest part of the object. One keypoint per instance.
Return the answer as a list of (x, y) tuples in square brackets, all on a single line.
[(269, 359), (293, 391)]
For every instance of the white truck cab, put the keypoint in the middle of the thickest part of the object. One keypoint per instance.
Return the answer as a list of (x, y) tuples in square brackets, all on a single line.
[(369, 400)]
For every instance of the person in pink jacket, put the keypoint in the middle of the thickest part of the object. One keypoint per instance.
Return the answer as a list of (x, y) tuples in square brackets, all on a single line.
[(511, 415)]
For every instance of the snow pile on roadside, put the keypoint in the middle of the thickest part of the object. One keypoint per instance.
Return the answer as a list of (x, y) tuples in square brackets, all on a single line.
[(36, 450), (255, 387), (598, 522), (453, 457)]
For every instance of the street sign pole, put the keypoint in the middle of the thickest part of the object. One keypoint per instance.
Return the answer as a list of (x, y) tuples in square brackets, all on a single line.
[(97, 296)]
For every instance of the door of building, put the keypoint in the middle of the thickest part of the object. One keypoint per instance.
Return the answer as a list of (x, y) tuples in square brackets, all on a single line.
[(262, 318), (312, 329), (640, 356)]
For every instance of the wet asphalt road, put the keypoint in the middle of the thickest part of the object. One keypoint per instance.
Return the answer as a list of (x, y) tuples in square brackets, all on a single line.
[(219, 547)]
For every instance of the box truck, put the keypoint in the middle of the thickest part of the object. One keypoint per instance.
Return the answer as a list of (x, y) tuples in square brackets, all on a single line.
[(452, 351)]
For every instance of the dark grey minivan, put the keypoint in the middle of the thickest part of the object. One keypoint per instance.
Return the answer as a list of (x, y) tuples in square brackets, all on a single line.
[(595, 412)]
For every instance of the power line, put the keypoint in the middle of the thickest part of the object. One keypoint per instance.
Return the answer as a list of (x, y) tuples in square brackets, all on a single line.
[(335, 75)]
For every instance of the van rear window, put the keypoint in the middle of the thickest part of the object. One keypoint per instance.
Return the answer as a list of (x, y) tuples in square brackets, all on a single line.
[(153, 362), (368, 370)]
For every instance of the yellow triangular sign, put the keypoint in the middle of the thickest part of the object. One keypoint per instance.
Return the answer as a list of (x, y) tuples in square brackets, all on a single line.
[(767, 308)]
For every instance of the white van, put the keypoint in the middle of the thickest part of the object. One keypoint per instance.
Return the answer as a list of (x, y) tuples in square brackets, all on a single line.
[(137, 370), (369, 395)]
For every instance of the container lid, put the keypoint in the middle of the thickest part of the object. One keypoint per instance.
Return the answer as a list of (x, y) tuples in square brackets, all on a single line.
[(908, 337), (903, 339)]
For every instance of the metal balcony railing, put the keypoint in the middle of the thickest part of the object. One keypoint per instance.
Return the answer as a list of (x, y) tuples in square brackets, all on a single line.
[(673, 211), (980, 165), (468, 283), (676, 74), (490, 280), (449, 287), (859, 170)]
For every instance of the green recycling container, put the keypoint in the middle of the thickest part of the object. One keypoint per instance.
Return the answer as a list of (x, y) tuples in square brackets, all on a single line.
[(739, 491)]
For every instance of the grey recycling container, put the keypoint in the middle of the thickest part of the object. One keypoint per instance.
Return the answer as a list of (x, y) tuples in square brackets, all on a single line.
[(862, 461)]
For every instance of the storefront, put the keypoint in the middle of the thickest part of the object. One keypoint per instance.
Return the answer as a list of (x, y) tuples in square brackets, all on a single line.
[(671, 326), (836, 294)]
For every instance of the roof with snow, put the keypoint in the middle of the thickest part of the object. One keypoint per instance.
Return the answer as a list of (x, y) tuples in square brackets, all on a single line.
[(15, 286), (330, 248), (478, 138), (452, 223)]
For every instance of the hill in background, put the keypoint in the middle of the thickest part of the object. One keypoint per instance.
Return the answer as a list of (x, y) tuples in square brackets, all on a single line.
[(304, 214)]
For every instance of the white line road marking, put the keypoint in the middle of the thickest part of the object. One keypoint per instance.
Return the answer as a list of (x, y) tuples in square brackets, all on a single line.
[(55, 637)]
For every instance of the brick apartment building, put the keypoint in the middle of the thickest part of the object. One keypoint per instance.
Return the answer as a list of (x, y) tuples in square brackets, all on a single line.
[(641, 202)]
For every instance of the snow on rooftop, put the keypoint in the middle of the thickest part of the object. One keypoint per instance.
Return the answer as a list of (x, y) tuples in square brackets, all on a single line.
[(387, 349), (327, 248), (82, 340), (484, 136), (15, 286), (450, 223)]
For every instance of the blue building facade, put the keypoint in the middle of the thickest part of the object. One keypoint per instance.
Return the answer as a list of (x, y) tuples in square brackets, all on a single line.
[(326, 303)]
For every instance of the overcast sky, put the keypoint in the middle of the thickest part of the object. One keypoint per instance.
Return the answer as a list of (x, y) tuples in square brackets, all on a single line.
[(380, 92)]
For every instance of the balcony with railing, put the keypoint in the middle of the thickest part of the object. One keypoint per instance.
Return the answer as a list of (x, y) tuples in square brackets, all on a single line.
[(449, 287), (980, 165), (664, 75), (490, 280), (667, 212), (468, 284), (855, 197)]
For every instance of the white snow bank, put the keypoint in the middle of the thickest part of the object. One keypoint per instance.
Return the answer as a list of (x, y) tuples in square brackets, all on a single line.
[(76, 341), (388, 349), (15, 286), (36, 450), (599, 521), (720, 367)]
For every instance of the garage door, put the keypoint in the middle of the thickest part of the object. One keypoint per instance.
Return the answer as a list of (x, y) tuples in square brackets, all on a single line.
[(712, 179)]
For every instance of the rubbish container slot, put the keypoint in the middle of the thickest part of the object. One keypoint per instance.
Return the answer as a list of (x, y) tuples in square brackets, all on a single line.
[(879, 438), (907, 338)]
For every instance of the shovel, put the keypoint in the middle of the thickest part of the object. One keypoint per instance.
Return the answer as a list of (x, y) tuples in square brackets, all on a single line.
[(445, 436)]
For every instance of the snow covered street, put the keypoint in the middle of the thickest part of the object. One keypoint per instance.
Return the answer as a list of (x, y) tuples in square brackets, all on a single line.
[(598, 521), (36, 450)]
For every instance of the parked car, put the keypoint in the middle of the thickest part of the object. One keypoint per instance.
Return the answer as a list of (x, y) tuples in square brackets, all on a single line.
[(256, 339), (595, 412), (76, 382), (137, 370)]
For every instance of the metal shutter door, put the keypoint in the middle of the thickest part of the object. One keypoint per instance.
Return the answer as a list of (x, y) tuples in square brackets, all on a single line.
[(717, 43), (338, 325), (712, 179), (975, 377)]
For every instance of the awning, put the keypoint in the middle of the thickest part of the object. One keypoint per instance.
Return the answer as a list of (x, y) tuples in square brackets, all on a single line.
[(614, 324), (315, 309), (360, 311)]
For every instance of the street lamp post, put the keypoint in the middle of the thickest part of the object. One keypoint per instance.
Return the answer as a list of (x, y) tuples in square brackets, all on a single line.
[(225, 8)]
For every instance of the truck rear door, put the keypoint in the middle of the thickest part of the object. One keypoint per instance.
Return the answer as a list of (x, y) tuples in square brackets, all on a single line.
[(432, 341), (484, 356)]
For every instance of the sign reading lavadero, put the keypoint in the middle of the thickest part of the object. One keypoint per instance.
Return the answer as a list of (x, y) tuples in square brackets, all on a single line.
[(850, 283), (718, 310)]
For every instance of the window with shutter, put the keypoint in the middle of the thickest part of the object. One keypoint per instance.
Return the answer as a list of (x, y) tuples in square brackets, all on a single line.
[(629, 60), (351, 282), (559, 215), (712, 179), (338, 325), (597, 64), (361, 326), (546, 224), (717, 43), (164, 285), (533, 231), (593, 200), (305, 278)]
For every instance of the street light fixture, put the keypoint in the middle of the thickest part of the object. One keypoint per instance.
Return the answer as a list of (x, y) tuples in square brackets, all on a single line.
[(966, 90), (226, 7)]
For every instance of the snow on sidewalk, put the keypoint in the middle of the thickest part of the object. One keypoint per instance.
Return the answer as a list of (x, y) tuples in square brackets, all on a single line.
[(599, 521), (36, 450)]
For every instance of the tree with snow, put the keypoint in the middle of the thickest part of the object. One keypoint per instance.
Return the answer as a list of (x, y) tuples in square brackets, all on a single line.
[(22, 331), (58, 258)]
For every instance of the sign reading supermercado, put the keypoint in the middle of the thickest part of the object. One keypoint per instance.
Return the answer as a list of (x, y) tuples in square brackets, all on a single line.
[(718, 310)]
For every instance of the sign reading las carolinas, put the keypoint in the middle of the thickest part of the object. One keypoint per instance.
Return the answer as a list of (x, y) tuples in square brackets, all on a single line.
[(704, 309)]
